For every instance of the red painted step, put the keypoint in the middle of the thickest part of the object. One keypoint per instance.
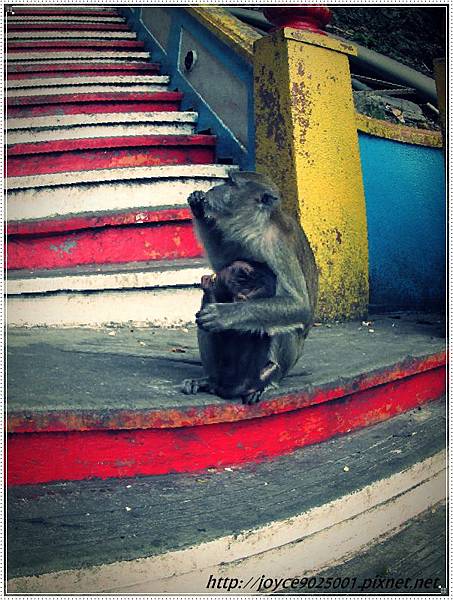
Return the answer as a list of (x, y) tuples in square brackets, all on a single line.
[(57, 46), (107, 153), (154, 444), (32, 228), (62, 26), (105, 245), (71, 104), (29, 12), (32, 71)]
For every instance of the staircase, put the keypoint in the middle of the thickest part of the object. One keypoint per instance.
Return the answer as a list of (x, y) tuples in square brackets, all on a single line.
[(158, 491), (100, 163)]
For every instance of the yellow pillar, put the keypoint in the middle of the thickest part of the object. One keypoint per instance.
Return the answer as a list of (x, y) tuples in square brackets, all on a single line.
[(306, 141)]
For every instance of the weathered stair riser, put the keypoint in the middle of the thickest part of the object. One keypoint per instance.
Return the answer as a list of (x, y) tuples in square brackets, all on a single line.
[(100, 164)]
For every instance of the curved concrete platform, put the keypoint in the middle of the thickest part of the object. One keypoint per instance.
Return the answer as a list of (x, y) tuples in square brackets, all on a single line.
[(290, 517), (108, 403)]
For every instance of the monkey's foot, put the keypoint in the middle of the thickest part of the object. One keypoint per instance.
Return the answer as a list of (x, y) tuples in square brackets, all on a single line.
[(253, 397), (193, 386), (196, 203)]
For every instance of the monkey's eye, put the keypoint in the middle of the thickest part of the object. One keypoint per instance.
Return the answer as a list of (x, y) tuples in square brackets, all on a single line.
[(268, 199)]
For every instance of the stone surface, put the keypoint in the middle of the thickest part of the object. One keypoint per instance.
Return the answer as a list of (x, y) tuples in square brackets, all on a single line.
[(78, 524), (120, 368)]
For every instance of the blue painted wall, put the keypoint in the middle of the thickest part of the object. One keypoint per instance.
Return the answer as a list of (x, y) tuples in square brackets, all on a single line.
[(227, 147), (406, 211)]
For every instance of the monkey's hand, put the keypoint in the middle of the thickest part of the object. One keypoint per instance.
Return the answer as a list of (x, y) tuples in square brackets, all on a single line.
[(215, 317), (196, 203)]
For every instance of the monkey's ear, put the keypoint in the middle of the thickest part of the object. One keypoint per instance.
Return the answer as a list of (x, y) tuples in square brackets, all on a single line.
[(269, 200), (243, 177)]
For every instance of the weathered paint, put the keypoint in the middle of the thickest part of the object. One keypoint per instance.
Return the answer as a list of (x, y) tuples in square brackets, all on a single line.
[(75, 79), (74, 45), (73, 68), (107, 176), (346, 526), (90, 54), (398, 133), (405, 193), (104, 245), (85, 455), (62, 26), (37, 20), (108, 191), (183, 22), (33, 12), (170, 307), (48, 35), (107, 153), (95, 87), (128, 128), (227, 28), (114, 279), (90, 221), (227, 412), (70, 104), (305, 117)]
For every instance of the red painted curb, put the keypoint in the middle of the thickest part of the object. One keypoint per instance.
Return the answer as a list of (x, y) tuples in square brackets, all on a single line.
[(22, 228), (104, 454), (107, 143), (108, 245), (57, 46), (71, 67), (227, 412), (61, 26), (108, 153)]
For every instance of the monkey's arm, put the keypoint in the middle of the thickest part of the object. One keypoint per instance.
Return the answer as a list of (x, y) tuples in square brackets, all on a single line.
[(290, 308), (205, 228), (269, 315)]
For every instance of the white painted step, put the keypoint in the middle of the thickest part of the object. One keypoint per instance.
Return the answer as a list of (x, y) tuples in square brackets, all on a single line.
[(91, 88), (65, 55), (153, 274), (34, 19), (162, 294), (118, 174), (79, 59), (62, 121), (67, 127), (104, 190), (88, 80), (61, 7), (79, 35)]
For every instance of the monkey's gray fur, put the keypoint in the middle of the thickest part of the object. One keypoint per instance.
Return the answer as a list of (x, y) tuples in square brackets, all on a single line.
[(242, 220)]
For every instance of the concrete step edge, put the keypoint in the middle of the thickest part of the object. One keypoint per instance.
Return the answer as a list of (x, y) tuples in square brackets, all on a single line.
[(151, 275), (345, 525), (116, 175)]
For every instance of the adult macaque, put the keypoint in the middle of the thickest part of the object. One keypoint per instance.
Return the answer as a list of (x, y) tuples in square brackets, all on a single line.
[(241, 220)]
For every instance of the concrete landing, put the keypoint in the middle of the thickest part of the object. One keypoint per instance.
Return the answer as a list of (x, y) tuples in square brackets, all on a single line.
[(292, 516), (89, 378)]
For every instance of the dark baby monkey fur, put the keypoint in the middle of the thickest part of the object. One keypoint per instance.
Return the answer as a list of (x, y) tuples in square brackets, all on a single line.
[(241, 220), (242, 358)]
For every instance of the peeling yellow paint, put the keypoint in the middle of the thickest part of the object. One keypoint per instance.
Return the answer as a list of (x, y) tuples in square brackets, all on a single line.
[(399, 133), (230, 30), (306, 136)]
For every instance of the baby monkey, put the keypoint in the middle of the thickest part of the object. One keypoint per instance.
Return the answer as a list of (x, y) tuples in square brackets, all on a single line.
[(239, 355)]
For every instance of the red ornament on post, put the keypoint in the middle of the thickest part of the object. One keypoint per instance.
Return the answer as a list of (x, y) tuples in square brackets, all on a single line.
[(311, 17)]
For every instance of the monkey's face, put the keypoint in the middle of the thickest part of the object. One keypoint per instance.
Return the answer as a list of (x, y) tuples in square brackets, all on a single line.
[(246, 198)]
